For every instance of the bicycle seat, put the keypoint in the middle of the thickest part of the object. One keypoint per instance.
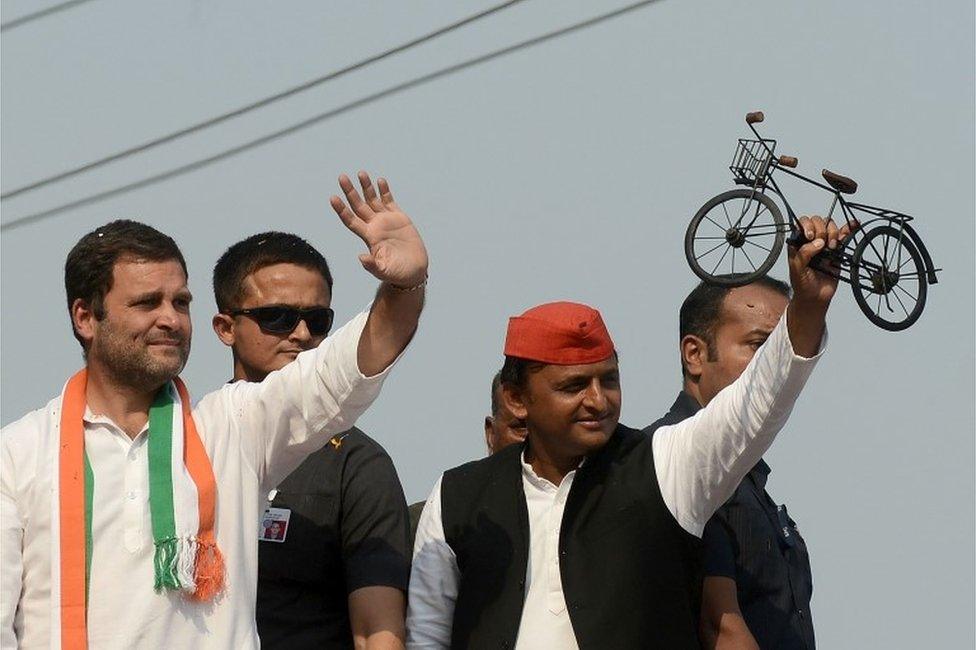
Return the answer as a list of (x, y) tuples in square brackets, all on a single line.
[(842, 184)]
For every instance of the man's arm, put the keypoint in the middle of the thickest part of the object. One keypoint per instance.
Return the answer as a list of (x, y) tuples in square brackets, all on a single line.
[(375, 554), (397, 257), (700, 461), (376, 616), (721, 626), (434, 581), (11, 551)]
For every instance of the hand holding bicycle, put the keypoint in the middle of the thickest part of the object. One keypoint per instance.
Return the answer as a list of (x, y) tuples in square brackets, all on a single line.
[(736, 237)]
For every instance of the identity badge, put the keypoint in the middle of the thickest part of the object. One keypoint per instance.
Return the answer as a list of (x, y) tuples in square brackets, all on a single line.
[(785, 529), (274, 525)]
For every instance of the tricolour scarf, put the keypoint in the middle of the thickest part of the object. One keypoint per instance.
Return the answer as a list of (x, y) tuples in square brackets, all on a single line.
[(182, 496)]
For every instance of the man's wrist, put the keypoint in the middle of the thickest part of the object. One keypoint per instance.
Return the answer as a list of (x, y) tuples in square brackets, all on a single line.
[(409, 286)]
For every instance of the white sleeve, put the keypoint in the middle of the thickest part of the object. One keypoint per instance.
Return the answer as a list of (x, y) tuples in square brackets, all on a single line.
[(434, 579), (701, 460), (11, 552), (295, 410)]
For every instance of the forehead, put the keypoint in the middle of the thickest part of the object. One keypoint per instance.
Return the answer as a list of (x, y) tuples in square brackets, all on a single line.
[(553, 372), (288, 284), (132, 275), (752, 306)]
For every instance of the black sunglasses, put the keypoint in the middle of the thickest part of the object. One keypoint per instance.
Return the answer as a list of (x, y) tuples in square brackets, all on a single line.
[(281, 319)]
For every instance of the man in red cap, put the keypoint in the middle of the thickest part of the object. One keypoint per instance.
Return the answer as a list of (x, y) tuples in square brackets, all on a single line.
[(588, 534)]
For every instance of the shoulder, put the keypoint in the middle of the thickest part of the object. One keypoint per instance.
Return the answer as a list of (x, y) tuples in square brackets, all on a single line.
[(626, 441), (26, 441), (32, 429), (484, 468)]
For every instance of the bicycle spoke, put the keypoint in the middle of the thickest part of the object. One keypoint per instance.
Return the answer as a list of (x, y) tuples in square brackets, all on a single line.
[(878, 309), (904, 309), (716, 224), (701, 238), (768, 250), (905, 291), (733, 260), (720, 261), (714, 248), (727, 217), (751, 263), (887, 239), (905, 262)]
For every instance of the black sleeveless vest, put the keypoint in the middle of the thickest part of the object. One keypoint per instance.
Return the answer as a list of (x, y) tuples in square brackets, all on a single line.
[(631, 575)]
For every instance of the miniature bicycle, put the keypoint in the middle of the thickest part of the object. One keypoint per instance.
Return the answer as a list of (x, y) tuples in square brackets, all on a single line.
[(883, 259)]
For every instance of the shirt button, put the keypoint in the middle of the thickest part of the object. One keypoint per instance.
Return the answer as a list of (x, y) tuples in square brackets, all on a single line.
[(131, 495)]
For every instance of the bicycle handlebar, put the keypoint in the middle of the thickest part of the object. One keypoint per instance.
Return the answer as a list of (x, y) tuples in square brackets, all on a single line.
[(754, 117), (788, 161)]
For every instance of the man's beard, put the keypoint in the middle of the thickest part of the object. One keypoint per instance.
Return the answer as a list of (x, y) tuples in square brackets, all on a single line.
[(130, 362)]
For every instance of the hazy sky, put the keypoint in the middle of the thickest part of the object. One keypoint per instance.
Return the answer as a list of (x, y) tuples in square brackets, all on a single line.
[(568, 170)]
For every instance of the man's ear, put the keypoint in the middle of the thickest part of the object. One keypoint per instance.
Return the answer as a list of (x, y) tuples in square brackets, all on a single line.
[(83, 320), (694, 354), (514, 399), (223, 325), (489, 434)]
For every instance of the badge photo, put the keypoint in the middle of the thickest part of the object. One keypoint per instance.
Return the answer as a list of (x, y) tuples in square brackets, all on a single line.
[(274, 525)]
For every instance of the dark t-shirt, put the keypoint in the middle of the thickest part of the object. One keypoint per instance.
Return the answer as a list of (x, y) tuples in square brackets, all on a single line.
[(756, 543), (337, 523)]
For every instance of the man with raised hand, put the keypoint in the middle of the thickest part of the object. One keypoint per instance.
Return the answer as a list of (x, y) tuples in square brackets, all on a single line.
[(333, 557), (130, 519), (588, 535), (757, 580)]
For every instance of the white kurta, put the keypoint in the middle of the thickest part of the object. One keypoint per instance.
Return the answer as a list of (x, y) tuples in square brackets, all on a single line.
[(255, 434), (698, 463)]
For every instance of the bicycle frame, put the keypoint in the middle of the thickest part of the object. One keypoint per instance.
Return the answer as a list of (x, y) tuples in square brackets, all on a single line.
[(764, 180)]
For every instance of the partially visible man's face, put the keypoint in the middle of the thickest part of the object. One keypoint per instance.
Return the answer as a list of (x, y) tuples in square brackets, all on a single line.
[(573, 409), (144, 336), (503, 428), (257, 352), (748, 316)]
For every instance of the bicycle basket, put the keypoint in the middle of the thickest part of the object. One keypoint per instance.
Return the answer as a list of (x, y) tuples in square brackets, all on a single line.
[(751, 160)]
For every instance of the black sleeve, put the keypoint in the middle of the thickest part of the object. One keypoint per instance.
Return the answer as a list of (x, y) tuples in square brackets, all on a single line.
[(717, 547), (374, 524)]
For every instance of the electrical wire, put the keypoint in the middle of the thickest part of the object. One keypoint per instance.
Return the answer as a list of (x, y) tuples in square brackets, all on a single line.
[(247, 108), (369, 99), (17, 22)]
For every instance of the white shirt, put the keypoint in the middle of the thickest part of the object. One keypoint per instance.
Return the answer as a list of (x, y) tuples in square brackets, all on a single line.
[(255, 434), (698, 463)]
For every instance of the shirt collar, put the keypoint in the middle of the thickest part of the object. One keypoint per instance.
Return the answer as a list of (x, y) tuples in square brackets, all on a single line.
[(759, 473)]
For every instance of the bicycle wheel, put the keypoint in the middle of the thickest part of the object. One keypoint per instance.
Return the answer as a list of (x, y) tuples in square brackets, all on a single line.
[(888, 278), (734, 238)]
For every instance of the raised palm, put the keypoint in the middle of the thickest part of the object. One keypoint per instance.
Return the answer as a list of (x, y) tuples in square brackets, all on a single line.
[(396, 254)]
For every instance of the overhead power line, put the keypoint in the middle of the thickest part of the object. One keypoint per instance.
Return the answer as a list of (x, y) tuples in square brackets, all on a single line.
[(369, 99), (17, 22), (241, 110)]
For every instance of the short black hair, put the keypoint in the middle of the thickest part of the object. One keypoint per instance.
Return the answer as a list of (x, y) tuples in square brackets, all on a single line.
[(256, 252), (701, 312), (496, 386), (90, 263)]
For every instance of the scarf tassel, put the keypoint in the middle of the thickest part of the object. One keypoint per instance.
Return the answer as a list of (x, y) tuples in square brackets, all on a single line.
[(208, 571)]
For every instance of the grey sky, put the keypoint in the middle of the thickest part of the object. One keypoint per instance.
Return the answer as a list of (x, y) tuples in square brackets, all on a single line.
[(568, 170)]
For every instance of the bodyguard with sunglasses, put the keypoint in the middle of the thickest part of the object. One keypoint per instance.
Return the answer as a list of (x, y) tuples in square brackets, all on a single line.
[(333, 551)]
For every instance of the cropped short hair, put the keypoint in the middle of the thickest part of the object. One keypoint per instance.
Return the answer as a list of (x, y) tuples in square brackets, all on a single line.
[(88, 269), (701, 312), (256, 252)]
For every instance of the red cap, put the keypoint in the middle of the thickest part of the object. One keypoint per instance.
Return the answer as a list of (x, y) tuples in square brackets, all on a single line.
[(563, 333)]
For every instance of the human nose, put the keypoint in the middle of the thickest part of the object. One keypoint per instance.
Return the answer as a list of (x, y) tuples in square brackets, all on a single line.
[(167, 317), (300, 333), (595, 398)]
